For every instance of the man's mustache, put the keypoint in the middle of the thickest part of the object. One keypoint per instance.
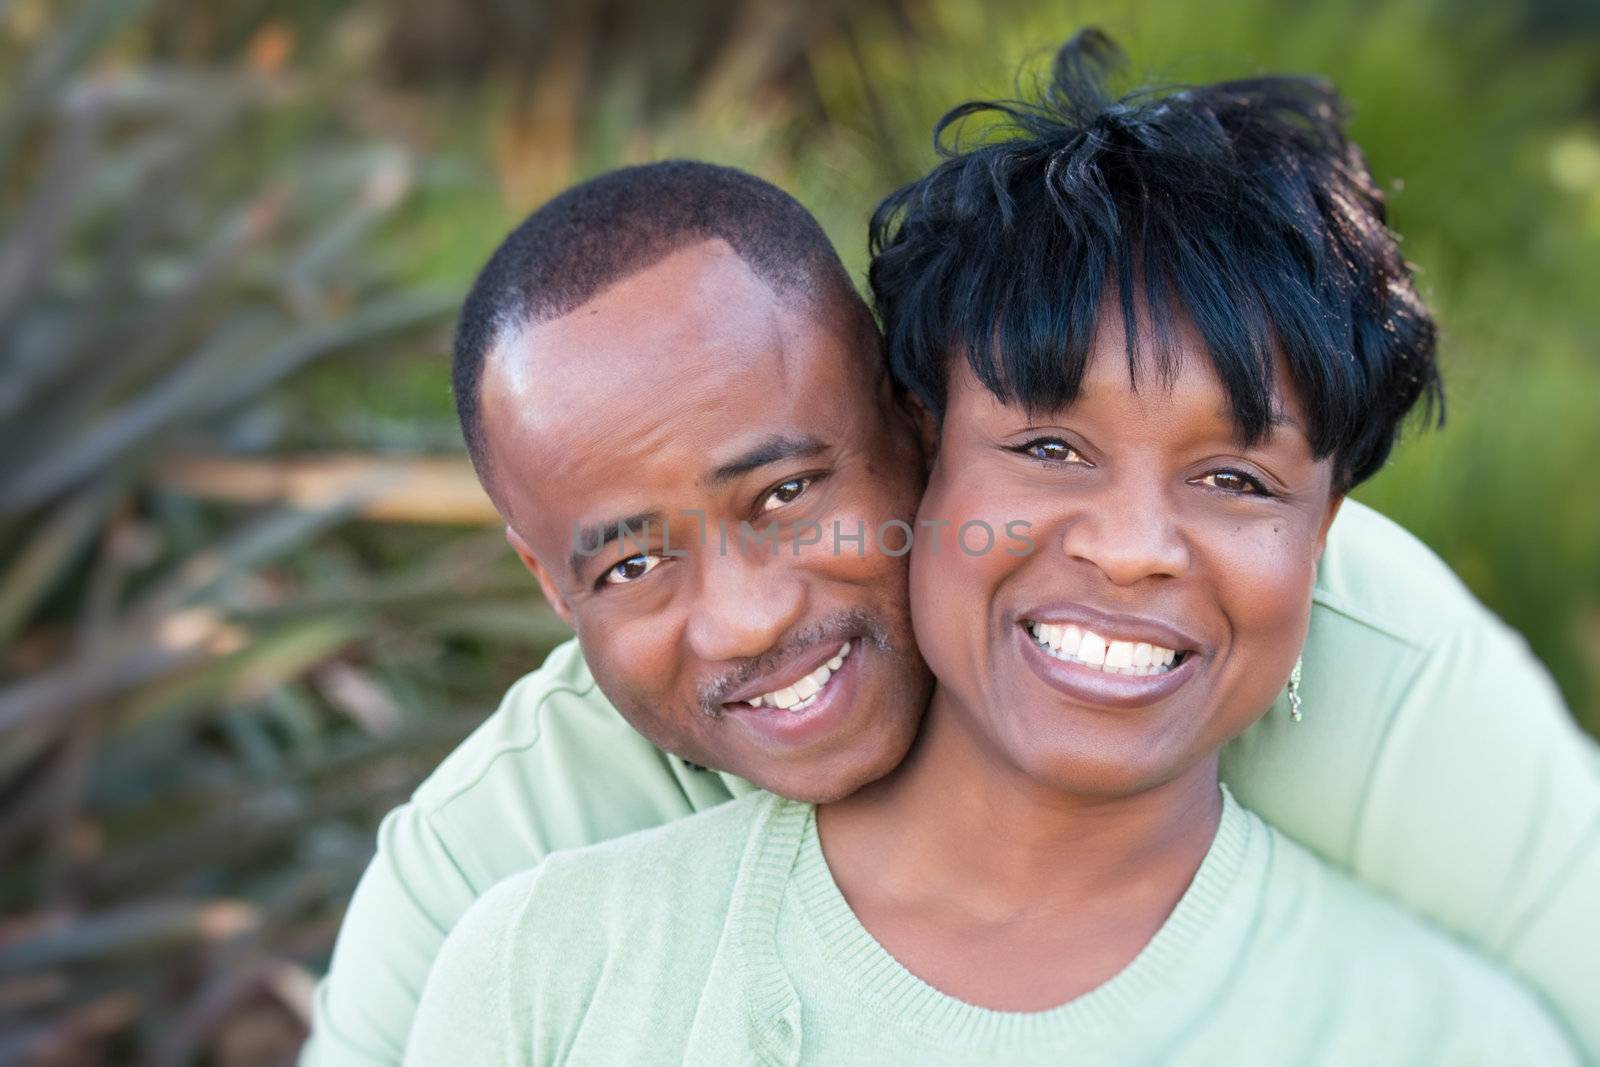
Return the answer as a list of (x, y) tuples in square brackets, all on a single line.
[(854, 625)]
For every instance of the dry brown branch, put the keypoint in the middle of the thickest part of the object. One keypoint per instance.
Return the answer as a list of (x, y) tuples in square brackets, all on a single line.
[(419, 489)]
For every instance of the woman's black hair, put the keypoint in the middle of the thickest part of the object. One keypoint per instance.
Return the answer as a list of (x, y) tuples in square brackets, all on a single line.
[(1241, 203)]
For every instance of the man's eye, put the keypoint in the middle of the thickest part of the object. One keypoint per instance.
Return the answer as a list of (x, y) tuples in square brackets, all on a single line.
[(631, 569), (785, 493), (1050, 450), (1232, 481)]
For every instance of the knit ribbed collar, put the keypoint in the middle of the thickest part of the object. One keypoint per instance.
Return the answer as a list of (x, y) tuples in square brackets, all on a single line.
[(786, 852)]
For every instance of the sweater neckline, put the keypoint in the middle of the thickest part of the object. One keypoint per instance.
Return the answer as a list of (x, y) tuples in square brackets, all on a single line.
[(791, 855)]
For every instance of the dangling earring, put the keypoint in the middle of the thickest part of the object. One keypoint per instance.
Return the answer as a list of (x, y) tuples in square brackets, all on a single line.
[(1294, 690)]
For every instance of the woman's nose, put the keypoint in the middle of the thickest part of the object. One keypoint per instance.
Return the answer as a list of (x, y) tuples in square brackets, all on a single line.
[(1129, 532)]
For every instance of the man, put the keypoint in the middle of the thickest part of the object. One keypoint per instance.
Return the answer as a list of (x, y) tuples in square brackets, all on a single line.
[(679, 405)]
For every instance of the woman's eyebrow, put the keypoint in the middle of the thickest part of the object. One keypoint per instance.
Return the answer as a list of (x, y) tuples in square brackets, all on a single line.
[(768, 450), (1279, 418)]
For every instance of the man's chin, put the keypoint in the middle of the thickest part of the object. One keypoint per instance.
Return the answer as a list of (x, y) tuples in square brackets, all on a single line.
[(820, 789), (826, 779)]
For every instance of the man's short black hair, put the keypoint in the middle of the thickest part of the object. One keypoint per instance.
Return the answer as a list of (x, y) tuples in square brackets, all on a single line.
[(1241, 203), (600, 232)]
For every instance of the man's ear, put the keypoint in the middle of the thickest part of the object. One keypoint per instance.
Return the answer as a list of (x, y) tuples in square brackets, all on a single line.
[(547, 582)]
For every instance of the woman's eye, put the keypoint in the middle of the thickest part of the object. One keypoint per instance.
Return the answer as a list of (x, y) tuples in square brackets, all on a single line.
[(631, 569), (785, 493), (1050, 450), (1234, 482)]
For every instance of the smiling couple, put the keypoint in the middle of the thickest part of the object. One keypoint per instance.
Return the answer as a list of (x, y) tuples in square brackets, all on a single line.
[(828, 801)]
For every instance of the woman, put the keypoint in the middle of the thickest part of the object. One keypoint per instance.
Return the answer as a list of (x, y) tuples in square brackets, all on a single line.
[(1164, 336)]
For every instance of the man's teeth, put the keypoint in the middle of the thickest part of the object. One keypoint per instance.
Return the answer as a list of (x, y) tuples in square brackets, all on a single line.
[(1077, 645), (800, 695)]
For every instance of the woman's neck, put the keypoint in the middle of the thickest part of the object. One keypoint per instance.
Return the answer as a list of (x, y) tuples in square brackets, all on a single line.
[(957, 847), (955, 806)]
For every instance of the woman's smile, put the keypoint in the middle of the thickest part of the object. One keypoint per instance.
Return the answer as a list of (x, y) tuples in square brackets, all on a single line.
[(1107, 683), (1105, 654), (1101, 659)]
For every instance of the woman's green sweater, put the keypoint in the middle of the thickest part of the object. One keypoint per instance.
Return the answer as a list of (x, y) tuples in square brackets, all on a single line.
[(723, 939)]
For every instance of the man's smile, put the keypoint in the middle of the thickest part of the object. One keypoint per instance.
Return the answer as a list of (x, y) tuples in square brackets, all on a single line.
[(773, 707), (796, 694)]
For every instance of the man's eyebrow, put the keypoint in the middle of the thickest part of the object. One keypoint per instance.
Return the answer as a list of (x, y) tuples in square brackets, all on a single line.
[(770, 450), (591, 538)]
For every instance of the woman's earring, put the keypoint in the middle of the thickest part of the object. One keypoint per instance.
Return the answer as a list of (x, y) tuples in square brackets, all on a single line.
[(1294, 690)]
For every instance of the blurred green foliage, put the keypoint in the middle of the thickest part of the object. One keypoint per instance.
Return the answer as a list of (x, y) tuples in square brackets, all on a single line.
[(238, 229)]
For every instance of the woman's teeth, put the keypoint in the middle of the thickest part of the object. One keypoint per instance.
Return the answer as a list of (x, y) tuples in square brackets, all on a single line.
[(1076, 645), (801, 694)]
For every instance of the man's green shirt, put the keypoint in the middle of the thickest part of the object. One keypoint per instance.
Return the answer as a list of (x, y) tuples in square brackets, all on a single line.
[(1436, 763)]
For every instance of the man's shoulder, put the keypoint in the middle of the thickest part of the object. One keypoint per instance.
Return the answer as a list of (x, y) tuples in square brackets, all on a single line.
[(626, 929), (669, 884), (697, 853), (1413, 692), (556, 766), (1378, 575), (560, 685)]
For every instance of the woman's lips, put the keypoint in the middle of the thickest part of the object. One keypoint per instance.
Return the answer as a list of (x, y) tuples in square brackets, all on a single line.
[(1113, 628), (1092, 685)]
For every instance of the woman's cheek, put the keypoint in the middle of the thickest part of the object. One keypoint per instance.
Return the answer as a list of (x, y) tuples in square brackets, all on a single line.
[(1267, 597)]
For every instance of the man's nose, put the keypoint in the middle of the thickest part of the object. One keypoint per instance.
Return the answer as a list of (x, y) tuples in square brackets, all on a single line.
[(1128, 530), (747, 602)]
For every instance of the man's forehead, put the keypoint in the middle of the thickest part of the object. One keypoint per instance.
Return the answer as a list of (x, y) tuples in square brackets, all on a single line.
[(672, 334), (639, 405), (655, 384), (692, 337)]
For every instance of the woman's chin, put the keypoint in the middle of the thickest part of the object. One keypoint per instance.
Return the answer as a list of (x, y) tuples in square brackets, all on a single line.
[(1087, 753)]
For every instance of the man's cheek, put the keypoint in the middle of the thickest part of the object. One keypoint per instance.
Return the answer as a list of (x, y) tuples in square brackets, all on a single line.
[(633, 655), (841, 542), (806, 537)]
